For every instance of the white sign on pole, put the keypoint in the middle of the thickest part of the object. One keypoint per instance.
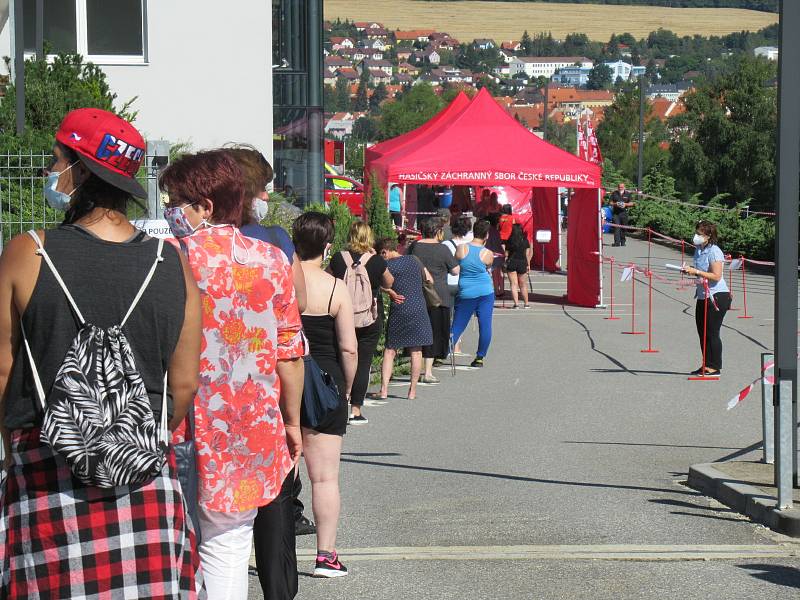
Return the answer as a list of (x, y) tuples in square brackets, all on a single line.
[(627, 274), (157, 228)]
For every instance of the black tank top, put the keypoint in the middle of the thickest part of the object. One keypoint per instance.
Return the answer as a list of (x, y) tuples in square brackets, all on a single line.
[(103, 277), (321, 333), (323, 343)]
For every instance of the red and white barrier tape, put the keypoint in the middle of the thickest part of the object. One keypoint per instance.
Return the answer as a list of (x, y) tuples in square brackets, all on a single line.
[(703, 206), (744, 393)]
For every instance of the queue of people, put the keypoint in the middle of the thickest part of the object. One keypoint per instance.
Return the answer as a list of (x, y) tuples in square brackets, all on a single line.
[(177, 384)]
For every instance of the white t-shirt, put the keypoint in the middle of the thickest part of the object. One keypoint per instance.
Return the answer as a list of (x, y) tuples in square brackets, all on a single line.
[(453, 245)]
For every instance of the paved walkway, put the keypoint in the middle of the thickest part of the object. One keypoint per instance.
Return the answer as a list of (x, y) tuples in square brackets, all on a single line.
[(556, 471)]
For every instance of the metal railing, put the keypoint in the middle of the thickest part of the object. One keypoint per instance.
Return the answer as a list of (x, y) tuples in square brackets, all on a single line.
[(22, 202)]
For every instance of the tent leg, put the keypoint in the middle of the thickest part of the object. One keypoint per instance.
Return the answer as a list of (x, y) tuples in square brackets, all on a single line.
[(404, 213), (600, 244)]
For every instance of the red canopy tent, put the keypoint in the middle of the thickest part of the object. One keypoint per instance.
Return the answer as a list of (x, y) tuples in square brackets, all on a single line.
[(482, 145), (442, 118)]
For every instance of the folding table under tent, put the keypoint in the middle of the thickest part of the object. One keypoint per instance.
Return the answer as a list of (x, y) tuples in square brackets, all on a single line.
[(480, 144)]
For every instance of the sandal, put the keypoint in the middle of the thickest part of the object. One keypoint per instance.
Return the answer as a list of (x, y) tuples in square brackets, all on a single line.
[(376, 396)]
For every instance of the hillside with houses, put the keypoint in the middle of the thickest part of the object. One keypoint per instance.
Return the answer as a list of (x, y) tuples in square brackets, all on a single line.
[(367, 65)]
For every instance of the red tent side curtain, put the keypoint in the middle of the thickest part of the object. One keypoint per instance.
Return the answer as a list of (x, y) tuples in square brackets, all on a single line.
[(545, 216), (583, 266)]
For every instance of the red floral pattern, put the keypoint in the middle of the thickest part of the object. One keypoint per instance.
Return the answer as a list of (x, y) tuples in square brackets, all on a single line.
[(250, 321)]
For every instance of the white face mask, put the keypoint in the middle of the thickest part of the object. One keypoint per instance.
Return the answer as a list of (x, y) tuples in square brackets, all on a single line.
[(260, 209), (56, 199), (698, 240)]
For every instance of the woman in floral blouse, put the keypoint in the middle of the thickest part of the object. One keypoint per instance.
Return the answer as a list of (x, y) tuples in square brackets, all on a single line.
[(247, 431)]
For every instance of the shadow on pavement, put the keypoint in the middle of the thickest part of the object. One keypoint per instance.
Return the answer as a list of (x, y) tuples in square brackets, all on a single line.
[(654, 445), (371, 454), (593, 345), (617, 486), (742, 452), (639, 371), (702, 516), (777, 574)]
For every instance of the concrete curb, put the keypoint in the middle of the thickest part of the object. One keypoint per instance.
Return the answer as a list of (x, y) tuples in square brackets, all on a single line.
[(744, 498)]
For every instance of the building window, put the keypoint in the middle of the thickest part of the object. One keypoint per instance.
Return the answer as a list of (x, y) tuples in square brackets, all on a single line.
[(103, 31), (60, 31), (114, 28)]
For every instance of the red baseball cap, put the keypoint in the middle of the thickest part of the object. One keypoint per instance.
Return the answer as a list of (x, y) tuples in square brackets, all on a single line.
[(107, 145)]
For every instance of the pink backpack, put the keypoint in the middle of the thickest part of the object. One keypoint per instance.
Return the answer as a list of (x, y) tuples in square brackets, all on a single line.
[(356, 278)]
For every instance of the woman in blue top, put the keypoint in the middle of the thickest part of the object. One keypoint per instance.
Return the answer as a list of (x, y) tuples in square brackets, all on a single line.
[(475, 290), (708, 268), (396, 205)]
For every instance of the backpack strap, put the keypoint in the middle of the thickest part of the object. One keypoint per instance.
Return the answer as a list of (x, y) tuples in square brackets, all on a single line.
[(150, 273), (164, 424), (37, 382), (43, 253), (347, 257)]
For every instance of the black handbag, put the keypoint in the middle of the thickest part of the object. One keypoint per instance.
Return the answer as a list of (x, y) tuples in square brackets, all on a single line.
[(186, 460), (320, 395), (432, 298)]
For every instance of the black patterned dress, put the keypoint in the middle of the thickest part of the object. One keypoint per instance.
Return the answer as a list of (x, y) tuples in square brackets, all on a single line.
[(408, 325)]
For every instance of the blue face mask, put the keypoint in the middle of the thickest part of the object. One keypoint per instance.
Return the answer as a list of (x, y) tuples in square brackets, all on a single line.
[(178, 223), (56, 199)]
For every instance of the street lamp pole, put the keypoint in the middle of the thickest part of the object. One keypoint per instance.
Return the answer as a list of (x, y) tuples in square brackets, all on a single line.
[(640, 170), (786, 234), (19, 65)]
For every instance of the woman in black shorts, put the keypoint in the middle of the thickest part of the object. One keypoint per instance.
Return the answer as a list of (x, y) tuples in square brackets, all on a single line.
[(518, 260), (328, 324)]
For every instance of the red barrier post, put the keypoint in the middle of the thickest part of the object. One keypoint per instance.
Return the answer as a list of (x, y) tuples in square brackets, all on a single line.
[(744, 292), (730, 279), (633, 306), (682, 284), (649, 244), (611, 317), (650, 349), (703, 376)]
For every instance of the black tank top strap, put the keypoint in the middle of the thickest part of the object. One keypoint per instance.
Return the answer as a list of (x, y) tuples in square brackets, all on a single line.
[(330, 300)]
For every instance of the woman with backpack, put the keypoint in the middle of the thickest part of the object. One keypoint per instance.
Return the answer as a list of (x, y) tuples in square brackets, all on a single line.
[(247, 408), (95, 287), (364, 273), (328, 324)]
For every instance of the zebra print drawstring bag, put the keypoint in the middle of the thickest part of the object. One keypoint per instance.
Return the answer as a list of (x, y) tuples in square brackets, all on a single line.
[(97, 415)]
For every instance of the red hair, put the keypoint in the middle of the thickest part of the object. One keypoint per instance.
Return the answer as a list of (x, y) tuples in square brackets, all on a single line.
[(212, 175)]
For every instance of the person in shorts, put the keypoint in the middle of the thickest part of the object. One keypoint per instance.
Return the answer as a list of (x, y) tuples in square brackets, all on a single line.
[(518, 260)]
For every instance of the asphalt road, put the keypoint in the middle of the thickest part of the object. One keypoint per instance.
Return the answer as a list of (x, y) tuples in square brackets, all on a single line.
[(569, 436)]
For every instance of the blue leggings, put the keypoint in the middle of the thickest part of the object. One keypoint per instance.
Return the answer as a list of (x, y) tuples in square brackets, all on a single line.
[(483, 307)]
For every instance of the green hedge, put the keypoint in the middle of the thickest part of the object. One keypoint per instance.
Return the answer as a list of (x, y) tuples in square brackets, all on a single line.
[(751, 236)]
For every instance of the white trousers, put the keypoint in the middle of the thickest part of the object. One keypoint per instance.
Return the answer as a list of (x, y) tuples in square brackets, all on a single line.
[(225, 552)]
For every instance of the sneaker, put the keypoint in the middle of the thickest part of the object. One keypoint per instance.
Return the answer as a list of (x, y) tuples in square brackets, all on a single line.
[(477, 363), (515, 307), (329, 566), (302, 526), (358, 420), (437, 363), (526, 306), (432, 380)]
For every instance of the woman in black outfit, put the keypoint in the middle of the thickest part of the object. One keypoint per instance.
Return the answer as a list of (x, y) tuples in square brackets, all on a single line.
[(439, 262), (328, 325), (518, 261), (360, 250)]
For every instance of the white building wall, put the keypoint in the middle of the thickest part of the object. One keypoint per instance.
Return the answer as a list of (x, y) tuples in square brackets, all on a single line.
[(207, 79)]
